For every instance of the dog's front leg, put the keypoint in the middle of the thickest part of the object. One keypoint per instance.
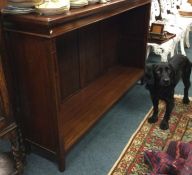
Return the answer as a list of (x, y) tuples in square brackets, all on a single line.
[(169, 107), (154, 117)]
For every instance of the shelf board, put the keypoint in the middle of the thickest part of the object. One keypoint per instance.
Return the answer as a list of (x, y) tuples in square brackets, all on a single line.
[(80, 112)]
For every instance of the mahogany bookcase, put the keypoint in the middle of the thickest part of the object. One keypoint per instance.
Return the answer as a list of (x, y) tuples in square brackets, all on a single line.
[(69, 69)]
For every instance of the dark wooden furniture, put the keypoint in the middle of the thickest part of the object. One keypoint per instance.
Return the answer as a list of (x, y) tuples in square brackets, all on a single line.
[(3, 3), (190, 1), (10, 132), (8, 128), (71, 68)]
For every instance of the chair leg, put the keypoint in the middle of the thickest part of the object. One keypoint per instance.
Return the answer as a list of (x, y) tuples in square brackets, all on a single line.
[(164, 56), (182, 47), (148, 51), (173, 50), (187, 43)]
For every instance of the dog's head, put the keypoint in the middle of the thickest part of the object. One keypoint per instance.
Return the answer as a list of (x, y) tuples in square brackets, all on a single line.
[(159, 74)]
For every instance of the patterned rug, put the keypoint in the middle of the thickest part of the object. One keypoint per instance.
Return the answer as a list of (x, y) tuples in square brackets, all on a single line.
[(150, 136)]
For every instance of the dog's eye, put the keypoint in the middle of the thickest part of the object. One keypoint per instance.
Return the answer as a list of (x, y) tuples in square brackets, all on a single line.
[(168, 71), (158, 71)]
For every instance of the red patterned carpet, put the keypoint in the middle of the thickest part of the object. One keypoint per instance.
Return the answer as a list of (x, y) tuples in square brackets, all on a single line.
[(150, 136)]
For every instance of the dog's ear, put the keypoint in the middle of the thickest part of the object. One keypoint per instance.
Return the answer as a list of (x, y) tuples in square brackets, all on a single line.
[(149, 78)]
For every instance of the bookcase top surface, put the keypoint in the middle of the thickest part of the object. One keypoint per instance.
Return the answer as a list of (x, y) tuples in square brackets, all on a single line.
[(74, 14)]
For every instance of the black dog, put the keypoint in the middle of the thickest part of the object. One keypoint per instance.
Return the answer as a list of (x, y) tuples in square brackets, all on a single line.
[(161, 80)]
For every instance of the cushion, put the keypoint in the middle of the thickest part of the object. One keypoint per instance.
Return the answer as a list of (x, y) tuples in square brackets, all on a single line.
[(177, 160), (159, 161)]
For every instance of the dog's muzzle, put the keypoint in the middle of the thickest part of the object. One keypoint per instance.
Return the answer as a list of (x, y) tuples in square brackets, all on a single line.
[(166, 82)]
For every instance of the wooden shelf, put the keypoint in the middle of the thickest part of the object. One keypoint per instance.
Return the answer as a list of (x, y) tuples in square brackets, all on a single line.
[(82, 110)]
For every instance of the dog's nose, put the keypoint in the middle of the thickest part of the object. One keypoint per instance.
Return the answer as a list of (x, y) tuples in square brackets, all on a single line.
[(166, 80)]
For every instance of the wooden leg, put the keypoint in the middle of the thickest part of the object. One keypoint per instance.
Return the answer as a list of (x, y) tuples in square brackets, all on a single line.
[(61, 165), (21, 145), (61, 162), (17, 152)]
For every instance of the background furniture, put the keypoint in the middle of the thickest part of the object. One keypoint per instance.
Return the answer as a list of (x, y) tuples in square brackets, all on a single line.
[(174, 18), (70, 69), (8, 128), (190, 1), (173, 23), (3, 3)]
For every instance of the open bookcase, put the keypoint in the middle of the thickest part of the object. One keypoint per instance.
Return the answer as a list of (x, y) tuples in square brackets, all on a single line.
[(69, 69)]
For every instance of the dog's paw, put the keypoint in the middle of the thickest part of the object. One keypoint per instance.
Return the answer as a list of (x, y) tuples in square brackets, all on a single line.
[(164, 125), (186, 100), (152, 119)]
